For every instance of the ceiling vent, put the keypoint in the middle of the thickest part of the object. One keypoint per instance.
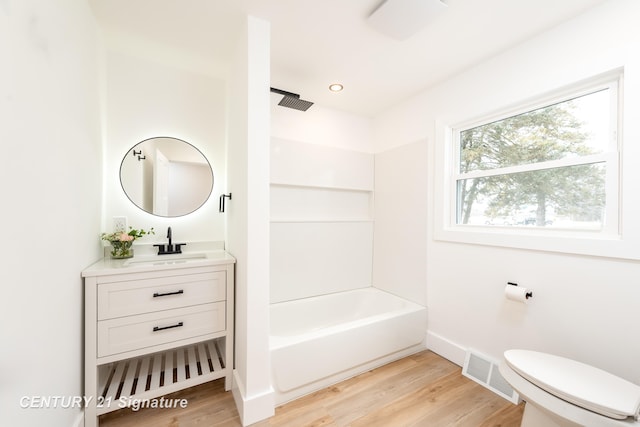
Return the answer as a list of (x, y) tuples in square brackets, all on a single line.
[(401, 19)]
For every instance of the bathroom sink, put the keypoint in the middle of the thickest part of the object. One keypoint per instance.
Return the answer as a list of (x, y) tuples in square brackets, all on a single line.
[(166, 259)]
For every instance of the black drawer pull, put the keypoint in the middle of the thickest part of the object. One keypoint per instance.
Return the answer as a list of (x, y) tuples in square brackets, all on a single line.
[(155, 295), (158, 328)]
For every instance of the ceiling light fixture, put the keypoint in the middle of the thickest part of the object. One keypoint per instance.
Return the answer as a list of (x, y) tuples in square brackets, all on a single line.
[(336, 87), (400, 19)]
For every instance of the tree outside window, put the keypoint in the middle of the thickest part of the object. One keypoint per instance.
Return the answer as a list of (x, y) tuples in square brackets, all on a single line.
[(546, 167)]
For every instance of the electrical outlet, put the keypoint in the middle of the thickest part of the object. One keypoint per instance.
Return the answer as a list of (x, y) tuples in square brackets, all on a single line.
[(119, 223)]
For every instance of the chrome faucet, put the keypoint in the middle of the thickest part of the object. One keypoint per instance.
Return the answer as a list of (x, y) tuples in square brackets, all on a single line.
[(169, 248)]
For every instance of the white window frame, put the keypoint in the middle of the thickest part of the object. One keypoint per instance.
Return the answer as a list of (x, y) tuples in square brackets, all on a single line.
[(549, 239)]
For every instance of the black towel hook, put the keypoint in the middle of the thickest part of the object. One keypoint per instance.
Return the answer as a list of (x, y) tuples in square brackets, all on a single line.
[(221, 204)]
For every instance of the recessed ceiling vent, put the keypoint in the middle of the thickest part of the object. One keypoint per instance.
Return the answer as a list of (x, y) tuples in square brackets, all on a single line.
[(401, 19), (484, 371)]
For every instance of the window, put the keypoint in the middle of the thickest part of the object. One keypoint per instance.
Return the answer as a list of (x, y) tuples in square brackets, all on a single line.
[(552, 166)]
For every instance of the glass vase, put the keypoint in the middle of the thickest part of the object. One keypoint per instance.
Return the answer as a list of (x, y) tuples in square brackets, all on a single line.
[(120, 250)]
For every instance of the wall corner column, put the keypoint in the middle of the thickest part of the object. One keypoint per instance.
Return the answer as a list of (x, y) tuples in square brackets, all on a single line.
[(248, 218)]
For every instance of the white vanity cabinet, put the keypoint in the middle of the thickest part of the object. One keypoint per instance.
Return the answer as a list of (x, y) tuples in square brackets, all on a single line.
[(152, 329)]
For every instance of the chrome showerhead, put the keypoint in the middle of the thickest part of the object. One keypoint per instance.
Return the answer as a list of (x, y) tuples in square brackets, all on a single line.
[(292, 100)]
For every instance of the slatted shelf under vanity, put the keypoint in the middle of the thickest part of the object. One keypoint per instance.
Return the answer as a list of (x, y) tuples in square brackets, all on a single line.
[(158, 374)]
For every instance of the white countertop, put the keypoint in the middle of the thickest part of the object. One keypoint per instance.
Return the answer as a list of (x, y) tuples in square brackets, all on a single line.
[(153, 262)]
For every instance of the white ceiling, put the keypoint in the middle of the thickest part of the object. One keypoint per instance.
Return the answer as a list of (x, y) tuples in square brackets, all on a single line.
[(318, 42)]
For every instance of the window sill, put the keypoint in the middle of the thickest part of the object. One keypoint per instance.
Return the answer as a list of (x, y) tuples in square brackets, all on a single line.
[(558, 241)]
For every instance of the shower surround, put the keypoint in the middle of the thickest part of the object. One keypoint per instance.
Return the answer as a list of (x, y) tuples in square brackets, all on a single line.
[(328, 322)]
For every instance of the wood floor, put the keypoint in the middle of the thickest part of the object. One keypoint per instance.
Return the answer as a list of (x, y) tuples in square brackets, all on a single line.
[(419, 390)]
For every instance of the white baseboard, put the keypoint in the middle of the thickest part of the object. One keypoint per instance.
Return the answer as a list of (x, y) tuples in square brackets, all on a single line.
[(446, 348), (252, 408)]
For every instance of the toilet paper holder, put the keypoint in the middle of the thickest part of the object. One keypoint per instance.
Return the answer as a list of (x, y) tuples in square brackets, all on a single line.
[(527, 295)]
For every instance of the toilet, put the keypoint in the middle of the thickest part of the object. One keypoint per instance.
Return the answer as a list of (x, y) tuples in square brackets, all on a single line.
[(561, 392)]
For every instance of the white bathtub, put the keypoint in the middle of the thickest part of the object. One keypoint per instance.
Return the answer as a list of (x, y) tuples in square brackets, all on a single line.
[(321, 340)]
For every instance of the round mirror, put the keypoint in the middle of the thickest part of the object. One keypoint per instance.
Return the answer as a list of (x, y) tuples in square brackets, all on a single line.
[(166, 176)]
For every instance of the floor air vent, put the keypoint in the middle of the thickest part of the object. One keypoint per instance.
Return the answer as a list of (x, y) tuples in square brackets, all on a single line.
[(484, 371)]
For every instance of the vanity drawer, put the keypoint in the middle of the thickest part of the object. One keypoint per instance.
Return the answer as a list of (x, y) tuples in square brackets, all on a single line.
[(133, 297), (146, 330)]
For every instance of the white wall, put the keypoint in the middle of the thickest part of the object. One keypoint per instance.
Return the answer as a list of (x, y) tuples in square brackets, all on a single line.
[(50, 181), (322, 181), (583, 307), (248, 219), (400, 231), (323, 126), (148, 99), (321, 219)]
